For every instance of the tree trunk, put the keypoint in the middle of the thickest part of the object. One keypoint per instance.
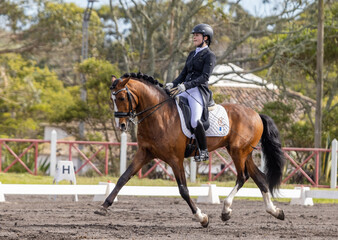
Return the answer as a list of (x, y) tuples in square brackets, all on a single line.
[(320, 57), (151, 52)]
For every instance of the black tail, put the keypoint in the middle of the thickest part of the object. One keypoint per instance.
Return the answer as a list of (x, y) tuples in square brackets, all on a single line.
[(273, 153)]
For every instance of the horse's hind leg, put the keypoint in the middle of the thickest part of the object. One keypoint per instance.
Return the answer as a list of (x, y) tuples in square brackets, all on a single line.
[(242, 176), (182, 186), (260, 180), (141, 158)]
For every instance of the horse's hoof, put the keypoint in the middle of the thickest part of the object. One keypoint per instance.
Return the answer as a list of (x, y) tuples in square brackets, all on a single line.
[(102, 211), (280, 214), (226, 216), (205, 221)]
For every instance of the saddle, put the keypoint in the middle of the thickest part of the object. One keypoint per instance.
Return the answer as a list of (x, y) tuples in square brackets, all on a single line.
[(186, 110), (217, 124)]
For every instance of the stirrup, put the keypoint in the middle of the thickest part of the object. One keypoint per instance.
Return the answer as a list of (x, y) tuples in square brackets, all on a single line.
[(203, 156)]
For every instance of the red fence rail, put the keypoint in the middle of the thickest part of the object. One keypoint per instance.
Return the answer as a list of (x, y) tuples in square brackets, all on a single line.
[(314, 153), (228, 165), (72, 145), (33, 143), (158, 162)]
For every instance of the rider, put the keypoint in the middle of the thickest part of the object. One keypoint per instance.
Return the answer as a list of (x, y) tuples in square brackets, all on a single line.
[(193, 83)]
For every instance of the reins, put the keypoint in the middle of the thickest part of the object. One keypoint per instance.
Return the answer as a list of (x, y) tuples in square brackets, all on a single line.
[(148, 109)]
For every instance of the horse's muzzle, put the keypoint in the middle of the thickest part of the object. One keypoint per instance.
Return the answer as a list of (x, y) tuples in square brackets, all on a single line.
[(123, 127)]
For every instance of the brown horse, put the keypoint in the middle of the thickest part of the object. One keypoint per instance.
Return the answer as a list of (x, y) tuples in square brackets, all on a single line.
[(160, 136)]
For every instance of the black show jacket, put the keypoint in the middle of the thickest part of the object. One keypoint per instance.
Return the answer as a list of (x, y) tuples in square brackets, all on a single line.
[(196, 73), (197, 69)]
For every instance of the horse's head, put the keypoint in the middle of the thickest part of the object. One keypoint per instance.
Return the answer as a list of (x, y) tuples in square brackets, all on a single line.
[(124, 102)]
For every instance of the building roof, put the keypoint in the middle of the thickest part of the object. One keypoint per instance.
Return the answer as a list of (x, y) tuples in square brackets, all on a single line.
[(230, 75), (252, 91), (254, 98)]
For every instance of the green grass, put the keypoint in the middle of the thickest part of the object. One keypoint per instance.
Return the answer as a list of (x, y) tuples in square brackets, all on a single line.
[(26, 178)]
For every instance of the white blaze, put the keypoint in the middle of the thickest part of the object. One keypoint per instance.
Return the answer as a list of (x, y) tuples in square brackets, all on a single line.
[(117, 124)]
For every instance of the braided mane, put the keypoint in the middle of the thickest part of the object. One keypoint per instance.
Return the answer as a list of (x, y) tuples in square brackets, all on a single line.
[(141, 76)]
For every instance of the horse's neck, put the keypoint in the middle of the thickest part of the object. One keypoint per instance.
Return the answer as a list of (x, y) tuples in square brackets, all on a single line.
[(162, 113), (148, 98)]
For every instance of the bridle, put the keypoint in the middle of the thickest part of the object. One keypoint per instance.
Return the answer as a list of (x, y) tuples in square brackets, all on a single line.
[(132, 112)]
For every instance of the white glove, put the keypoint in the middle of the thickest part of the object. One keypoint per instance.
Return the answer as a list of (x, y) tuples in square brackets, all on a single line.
[(181, 87), (169, 86)]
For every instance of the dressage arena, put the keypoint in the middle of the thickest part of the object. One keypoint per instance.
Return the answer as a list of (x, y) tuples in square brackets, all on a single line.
[(43, 217)]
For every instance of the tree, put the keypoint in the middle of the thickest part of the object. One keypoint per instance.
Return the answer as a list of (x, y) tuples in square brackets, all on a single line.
[(295, 66), (30, 96), (51, 37), (319, 71), (95, 112), (158, 32)]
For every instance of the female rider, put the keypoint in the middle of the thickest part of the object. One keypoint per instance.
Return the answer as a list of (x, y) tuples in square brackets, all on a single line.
[(192, 84)]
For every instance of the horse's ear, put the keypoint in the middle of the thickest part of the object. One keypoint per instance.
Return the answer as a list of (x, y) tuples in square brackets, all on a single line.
[(113, 78), (124, 81)]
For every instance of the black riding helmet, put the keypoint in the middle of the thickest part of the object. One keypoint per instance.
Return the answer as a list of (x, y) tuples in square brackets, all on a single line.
[(204, 29)]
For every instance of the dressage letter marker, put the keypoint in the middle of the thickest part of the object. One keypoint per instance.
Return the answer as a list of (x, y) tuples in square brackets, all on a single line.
[(65, 171)]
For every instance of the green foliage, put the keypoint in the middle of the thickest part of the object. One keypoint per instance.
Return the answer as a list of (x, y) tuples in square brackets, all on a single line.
[(326, 162), (301, 134), (29, 96), (27, 159), (295, 64), (61, 24), (330, 120), (219, 97), (96, 109), (44, 166), (281, 114), (13, 12)]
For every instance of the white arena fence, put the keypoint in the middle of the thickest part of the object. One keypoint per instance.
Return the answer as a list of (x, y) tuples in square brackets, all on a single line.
[(208, 193)]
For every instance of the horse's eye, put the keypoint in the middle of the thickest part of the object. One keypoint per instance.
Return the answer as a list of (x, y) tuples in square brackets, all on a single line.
[(121, 98)]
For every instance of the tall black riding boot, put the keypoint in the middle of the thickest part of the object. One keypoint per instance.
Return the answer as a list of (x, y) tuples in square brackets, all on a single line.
[(201, 142)]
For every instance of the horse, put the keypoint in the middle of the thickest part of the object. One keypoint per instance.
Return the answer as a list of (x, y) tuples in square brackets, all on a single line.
[(141, 99)]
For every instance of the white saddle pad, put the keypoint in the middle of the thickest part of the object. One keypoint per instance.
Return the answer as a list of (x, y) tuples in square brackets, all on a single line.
[(219, 122)]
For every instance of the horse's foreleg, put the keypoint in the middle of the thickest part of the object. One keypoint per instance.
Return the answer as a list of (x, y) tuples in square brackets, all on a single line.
[(140, 159), (120, 183), (182, 186), (201, 217)]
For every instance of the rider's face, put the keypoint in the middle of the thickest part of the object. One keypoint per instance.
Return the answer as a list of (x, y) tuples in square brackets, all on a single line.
[(198, 38)]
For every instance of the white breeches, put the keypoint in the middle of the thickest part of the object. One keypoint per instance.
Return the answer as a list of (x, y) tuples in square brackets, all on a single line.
[(196, 104)]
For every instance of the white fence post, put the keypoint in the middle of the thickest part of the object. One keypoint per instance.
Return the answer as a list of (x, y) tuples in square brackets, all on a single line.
[(334, 164), (2, 196), (193, 169), (52, 153), (123, 153), (303, 198)]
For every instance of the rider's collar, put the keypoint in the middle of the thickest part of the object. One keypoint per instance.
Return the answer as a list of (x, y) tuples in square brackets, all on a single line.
[(198, 49)]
